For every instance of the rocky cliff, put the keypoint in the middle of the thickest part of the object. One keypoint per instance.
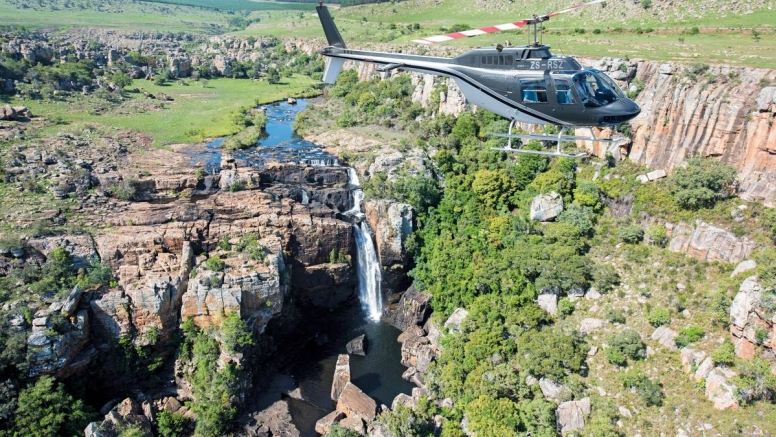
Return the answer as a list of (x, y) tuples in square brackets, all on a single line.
[(709, 111)]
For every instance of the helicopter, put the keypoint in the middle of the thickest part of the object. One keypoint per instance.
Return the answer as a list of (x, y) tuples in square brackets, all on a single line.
[(524, 84)]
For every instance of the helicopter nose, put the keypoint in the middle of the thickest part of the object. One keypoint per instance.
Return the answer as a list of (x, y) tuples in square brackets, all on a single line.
[(618, 112)]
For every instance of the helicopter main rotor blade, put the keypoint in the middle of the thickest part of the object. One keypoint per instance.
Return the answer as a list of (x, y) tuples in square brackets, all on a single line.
[(498, 28)]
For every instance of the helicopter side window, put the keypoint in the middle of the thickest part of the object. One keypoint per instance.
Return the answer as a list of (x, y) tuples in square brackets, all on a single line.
[(563, 92), (534, 90), (509, 60)]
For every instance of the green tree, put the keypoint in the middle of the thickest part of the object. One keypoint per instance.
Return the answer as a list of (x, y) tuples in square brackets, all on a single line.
[(626, 344), (273, 76), (702, 182), (631, 234), (170, 424), (235, 334), (551, 353), (45, 409), (489, 417), (649, 391), (121, 79)]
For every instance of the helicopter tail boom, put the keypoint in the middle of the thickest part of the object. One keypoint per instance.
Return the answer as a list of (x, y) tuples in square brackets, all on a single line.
[(329, 28)]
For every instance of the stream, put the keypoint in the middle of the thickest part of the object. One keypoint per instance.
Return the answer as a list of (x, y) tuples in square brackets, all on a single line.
[(306, 383)]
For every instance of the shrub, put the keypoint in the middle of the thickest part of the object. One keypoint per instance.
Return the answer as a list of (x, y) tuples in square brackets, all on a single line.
[(754, 380), (614, 315), (688, 335), (627, 344), (224, 244), (725, 354), (565, 307), (126, 189), (235, 334), (657, 235), (215, 264), (702, 182), (605, 277), (659, 316), (648, 390), (631, 234), (170, 424)]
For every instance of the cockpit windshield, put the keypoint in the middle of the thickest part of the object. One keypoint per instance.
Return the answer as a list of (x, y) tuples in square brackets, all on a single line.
[(596, 89)]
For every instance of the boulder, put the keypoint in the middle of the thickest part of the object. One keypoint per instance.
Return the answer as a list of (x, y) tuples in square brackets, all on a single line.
[(355, 403), (453, 323), (341, 376), (665, 336), (413, 309), (551, 389), (744, 266), (590, 324), (704, 368), (546, 207), (7, 113), (276, 420), (354, 423), (411, 332), (548, 302), (719, 390), (571, 415), (403, 399), (357, 346), (323, 425), (71, 302)]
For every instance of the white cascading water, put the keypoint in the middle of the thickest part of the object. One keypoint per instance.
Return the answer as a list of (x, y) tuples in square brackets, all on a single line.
[(358, 194), (369, 275), (305, 197)]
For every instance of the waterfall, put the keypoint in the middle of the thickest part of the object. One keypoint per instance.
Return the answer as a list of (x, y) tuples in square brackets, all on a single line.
[(353, 177), (357, 193), (305, 197), (369, 275)]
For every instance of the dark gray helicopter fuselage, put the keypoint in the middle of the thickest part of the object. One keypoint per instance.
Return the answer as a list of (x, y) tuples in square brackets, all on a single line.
[(526, 83)]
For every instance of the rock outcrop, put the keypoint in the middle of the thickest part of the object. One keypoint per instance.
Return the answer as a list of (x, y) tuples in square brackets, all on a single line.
[(546, 207), (751, 325), (717, 111), (413, 309), (571, 415), (708, 242)]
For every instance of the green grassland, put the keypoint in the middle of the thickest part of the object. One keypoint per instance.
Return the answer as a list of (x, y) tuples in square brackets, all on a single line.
[(621, 29), (113, 14), (239, 5), (197, 112)]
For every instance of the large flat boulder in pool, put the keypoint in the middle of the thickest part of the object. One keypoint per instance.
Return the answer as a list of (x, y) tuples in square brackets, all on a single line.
[(355, 403)]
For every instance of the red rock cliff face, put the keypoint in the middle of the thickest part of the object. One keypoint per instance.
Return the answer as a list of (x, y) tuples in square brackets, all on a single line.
[(721, 112)]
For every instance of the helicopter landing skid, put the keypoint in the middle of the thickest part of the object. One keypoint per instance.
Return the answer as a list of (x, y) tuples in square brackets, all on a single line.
[(553, 138), (541, 152)]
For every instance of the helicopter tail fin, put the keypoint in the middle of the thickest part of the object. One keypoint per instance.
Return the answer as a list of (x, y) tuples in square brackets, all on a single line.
[(329, 28)]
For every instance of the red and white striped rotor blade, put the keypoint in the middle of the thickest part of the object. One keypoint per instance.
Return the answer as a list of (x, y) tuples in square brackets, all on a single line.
[(471, 32), (498, 28), (576, 7)]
